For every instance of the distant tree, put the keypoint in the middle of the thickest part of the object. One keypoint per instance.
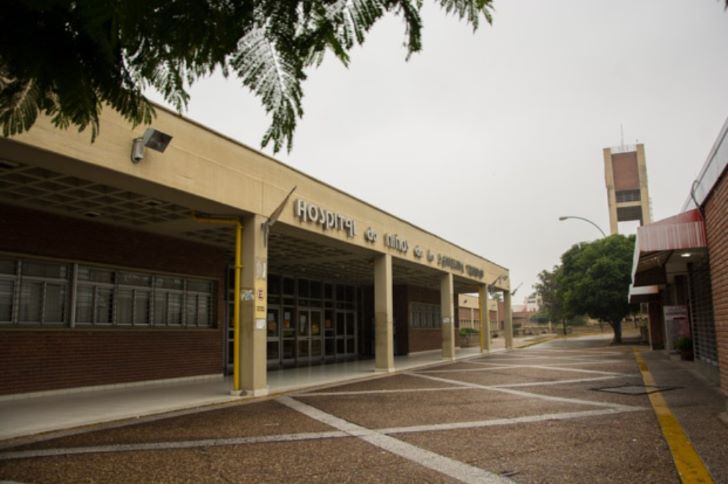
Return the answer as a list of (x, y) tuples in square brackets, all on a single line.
[(595, 278), (548, 288), (67, 58)]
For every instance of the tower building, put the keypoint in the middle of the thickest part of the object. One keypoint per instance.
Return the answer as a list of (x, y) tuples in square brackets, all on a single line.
[(625, 173)]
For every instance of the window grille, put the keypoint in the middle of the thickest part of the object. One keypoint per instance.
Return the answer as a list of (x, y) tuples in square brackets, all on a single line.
[(701, 312), (40, 293), (424, 315)]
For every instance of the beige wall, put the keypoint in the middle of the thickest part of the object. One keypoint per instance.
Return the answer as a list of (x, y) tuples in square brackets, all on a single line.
[(207, 166)]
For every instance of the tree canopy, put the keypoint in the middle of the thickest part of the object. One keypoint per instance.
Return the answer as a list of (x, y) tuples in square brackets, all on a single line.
[(593, 279), (67, 58)]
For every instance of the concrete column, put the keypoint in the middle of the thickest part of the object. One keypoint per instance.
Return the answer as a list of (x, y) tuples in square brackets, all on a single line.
[(383, 314), (485, 343), (644, 190), (611, 195), (448, 319), (508, 319), (254, 297)]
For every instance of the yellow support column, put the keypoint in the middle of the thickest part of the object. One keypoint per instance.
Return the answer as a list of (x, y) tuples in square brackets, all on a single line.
[(236, 302)]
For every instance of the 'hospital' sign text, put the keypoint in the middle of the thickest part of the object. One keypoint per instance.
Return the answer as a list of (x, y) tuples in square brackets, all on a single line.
[(328, 220)]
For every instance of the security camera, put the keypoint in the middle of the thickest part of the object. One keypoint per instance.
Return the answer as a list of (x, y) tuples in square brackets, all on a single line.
[(152, 139), (137, 150)]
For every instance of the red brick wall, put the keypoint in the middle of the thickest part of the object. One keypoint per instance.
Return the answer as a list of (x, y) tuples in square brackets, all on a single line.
[(37, 233), (626, 171), (36, 360), (716, 227), (47, 360), (423, 339)]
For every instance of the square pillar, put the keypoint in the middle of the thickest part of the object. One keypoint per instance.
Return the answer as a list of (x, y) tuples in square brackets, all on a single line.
[(448, 319), (485, 343), (383, 314), (253, 309), (508, 319)]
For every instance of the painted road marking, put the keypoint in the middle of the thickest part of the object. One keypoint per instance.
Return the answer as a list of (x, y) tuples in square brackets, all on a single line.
[(444, 465), (538, 367), (689, 465), (186, 444), (505, 421), (531, 395), (462, 388)]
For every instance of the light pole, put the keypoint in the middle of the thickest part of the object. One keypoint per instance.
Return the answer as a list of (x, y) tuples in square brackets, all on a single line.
[(562, 218)]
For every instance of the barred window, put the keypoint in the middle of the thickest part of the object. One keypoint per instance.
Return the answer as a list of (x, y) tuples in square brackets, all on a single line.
[(47, 293), (423, 315)]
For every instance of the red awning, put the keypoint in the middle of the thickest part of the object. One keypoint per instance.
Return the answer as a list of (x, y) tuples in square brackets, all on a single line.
[(656, 242), (680, 232)]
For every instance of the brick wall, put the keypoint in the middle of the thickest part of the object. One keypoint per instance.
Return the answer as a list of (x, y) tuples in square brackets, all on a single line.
[(47, 360), (716, 227), (36, 360), (423, 339)]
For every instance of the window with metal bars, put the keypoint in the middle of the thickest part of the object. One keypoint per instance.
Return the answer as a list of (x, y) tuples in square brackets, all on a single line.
[(701, 312), (423, 315), (53, 293)]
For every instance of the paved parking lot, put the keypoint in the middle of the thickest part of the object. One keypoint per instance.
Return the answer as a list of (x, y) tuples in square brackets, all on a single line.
[(553, 413)]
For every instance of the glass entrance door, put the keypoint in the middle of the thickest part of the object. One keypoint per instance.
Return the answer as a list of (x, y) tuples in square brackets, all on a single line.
[(273, 330), (288, 337), (309, 335), (316, 335), (329, 335), (345, 334)]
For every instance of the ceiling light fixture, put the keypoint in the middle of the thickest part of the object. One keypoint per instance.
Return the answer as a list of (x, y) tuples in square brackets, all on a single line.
[(685, 254)]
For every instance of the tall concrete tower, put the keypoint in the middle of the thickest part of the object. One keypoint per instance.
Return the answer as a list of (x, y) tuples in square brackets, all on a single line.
[(625, 172)]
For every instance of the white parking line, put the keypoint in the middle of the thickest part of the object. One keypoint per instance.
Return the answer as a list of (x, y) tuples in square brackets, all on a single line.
[(529, 394), (382, 392), (510, 367), (506, 421), (444, 465), (463, 388), (185, 444)]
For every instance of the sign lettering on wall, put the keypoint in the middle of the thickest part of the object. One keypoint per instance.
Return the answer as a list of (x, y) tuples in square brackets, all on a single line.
[(328, 220), (394, 242), (307, 212)]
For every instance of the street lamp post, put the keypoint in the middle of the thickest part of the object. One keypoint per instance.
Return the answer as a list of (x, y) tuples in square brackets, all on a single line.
[(562, 218)]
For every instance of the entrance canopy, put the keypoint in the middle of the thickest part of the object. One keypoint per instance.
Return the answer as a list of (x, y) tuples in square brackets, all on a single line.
[(669, 241)]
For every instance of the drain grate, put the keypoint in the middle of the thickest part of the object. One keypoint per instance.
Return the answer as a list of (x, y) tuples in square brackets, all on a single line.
[(634, 389)]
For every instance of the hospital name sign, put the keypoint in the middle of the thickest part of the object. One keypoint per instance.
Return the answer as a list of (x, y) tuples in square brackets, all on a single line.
[(329, 220)]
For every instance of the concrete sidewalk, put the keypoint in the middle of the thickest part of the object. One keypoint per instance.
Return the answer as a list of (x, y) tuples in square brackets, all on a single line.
[(64, 410)]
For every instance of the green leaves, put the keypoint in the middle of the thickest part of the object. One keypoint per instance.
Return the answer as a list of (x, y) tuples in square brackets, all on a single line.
[(596, 277), (67, 59), (593, 278)]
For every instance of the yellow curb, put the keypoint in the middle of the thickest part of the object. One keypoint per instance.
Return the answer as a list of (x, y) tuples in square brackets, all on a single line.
[(689, 465)]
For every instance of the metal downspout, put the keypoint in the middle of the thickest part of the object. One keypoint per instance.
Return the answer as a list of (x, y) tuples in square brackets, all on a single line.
[(236, 302)]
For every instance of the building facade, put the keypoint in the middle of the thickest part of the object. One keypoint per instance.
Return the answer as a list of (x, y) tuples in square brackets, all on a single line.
[(681, 270), (204, 259)]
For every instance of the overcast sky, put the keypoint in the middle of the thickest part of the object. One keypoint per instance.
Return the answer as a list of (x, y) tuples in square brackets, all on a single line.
[(487, 138)]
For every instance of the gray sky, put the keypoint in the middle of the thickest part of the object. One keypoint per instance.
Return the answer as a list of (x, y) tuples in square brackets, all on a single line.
[(486, 139)]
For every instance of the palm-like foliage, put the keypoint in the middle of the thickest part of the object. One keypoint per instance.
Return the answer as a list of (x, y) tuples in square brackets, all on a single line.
[(66, 58)]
